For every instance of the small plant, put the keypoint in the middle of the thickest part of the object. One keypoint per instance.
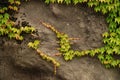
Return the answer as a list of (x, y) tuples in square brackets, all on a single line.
[(69, 54), (111, 39), (7, 26), (34, 45)]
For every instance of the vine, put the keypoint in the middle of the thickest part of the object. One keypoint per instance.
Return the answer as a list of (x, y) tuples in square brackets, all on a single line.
[(111, 39), (108, 54), (34, 45), (8, 28)]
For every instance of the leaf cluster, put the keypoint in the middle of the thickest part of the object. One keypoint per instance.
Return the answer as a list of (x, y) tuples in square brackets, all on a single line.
[(111, 39), (34, 44), (7, 26)]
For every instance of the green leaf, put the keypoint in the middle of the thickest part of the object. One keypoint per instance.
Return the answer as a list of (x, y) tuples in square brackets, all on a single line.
[(113, 25), (117, 19), (47, 1), (11, 1), (97, 50), (101, 57), (92, 3), (66, 58), (1, 16), (108, 57), (20, 37), (116, 49), (92, 53), (36, 42), (67, 1), (87, 52), (118, 42), (112, 40), (109, 51), (102, 50), (60, 1), (53, 1), (97, 8), (30, 44), (106, 40), (113, 34), (114, 63), (2, 31), (76, 53), (75, 1), (104, 11), (6, 15), (118, 31), (106, 34)]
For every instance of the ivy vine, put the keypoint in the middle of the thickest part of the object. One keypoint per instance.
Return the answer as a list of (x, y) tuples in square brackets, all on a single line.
[(109, 55), (8, 28), (111, 39)]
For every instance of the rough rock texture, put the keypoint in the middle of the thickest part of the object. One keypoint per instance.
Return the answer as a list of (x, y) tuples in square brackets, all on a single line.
[(18, 62)]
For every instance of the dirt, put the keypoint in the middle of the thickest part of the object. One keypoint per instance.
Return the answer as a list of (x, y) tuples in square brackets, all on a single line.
[(18, 62)]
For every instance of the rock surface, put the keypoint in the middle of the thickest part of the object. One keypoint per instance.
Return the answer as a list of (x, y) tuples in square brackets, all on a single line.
[(18, 62)]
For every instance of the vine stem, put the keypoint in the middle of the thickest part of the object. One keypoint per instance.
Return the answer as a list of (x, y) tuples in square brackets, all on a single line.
[(52, 60), (47, 25), (50, 27)]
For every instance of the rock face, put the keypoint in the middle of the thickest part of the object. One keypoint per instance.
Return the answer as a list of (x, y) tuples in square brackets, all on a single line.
[(18, 62)]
